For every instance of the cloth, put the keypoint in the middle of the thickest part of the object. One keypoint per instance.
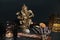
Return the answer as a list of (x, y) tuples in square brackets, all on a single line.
[(45, 31)]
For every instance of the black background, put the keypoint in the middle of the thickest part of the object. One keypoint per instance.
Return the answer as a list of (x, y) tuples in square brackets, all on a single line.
[(41, 8)]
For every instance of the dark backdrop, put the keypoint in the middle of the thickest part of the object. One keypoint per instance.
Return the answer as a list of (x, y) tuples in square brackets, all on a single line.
[(41, 8)]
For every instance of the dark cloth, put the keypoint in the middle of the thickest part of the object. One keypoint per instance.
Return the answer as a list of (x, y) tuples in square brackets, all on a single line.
[(4, 38), (25, 38)]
